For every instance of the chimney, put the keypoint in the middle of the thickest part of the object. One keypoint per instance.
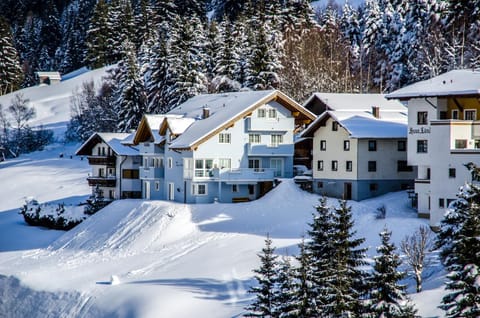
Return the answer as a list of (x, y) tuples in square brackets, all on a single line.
[(206, 112), (376, 111)]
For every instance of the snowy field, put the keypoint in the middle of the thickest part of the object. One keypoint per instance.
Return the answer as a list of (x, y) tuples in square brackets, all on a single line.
[(171, 259)]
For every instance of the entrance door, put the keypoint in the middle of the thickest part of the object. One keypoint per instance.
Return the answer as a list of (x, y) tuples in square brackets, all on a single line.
[(146, 189), (347, 191), (251, 192), (171, 191), (277, 165)]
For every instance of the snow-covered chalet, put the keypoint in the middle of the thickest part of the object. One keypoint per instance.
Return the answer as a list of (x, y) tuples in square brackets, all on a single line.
[(443, 136), (359, 145), (227, 147)]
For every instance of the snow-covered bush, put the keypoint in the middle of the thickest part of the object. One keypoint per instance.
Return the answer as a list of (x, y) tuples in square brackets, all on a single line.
[(53, 216)]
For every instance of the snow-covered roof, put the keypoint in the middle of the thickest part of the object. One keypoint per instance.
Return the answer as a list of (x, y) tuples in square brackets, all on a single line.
[(179, 125), (116, 141), (357, 102), (453, 83)]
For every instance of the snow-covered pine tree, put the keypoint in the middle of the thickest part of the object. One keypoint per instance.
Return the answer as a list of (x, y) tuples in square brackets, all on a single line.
[(348, 285), (387, 297), (165, 13), (121, 28), (144, 22), (10, 70), (129, 90), (49, 37), (463, 300), (192, 8), (97, 37), (285, 296), (266, 277)]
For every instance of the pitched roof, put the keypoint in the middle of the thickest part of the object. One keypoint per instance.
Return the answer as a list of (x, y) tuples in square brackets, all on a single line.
[(149, 128), (116, 141), (357, 102), (453, 83), (224, 109)]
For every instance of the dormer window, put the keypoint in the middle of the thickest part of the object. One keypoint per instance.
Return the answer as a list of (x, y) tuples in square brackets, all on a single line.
[(224, 138)]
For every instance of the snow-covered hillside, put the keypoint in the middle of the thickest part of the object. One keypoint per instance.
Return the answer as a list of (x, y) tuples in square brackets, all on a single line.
[(175, 259)]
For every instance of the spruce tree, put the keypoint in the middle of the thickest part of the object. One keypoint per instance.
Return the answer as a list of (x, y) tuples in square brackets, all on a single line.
[(388, 298), (285, 296), (96, 54), (266, 277), (10, 70)]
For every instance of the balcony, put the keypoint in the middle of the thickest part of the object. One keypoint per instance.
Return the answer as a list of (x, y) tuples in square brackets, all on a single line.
[(267, 124), (102, 181), (152, 172), (246, 175), (108, 161), (281, 150), (463, 135)]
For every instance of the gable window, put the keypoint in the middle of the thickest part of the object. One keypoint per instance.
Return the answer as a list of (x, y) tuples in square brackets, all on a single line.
[(254, 138), (225, 163), (323, 145), (402, 145), (470, 114), (224, 138), (372, 145), (275, 140), (170, 163), (454, 113), (203, 167), (422, 118), (319, 165), (346, 145), (261, 113), (272, 113), (349, 165), (452, 173), (334, 165), (334, 126), (403, 166), (199, 189), (460, 143), (422, 146)]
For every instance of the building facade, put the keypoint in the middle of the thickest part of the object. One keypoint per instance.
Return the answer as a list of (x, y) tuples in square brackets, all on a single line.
[(443, 137)]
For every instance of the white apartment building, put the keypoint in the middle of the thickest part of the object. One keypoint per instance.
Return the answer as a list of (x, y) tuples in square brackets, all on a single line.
[(443, 136)]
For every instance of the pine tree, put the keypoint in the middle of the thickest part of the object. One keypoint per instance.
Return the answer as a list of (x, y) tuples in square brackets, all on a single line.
[(10, 70), (464, 259), (96, 54), (388, 297), (266, 277), (285, 296)]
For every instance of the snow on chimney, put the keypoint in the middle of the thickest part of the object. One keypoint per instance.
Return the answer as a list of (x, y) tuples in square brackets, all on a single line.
[(206, 112), (376, 111)]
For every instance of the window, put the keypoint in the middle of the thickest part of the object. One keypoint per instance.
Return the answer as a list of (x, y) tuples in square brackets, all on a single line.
[(251, 189), (224, 138), (234, 187), (101, 172), (323, 145), (403, 166), (199, 189), (334, 165), (272, 113), (441, 203), (454, 113), (157, 185), (275, 140), (320, 165), (402, 145), (443, 114), (254, 138), (470, 114), (452, 173), (254, 164), (203, 167), (224, 163), (346, 145), (372, 166), (422, 146), (422, 118), (372, 145), (130, 174), (261, 113), (477, 143), (170, 163), (334, 125), (348, 165), (460, 143), (320, 184), (373, 187)]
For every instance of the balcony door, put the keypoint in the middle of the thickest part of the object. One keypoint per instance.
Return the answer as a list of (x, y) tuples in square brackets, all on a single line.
[(254, 164), (277, 165)]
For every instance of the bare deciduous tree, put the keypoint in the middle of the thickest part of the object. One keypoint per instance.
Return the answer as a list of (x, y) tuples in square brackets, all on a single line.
[(416, 247)]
